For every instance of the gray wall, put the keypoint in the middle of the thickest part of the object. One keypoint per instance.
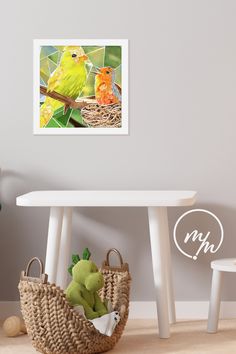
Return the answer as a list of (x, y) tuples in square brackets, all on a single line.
[(182, 132)]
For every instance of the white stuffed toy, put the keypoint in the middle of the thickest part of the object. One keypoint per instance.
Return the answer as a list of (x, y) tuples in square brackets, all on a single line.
[(105, 324)]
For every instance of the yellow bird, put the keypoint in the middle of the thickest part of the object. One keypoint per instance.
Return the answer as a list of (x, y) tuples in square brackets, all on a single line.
[(68, 79)]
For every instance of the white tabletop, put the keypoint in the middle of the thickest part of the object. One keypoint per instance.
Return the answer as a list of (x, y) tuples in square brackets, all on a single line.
[(106, 198)]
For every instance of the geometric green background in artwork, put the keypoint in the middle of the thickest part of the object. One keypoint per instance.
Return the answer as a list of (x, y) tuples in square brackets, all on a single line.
[(99, 56)]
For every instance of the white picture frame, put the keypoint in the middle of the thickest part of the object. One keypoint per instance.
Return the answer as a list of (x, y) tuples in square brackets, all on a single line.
[(60, 130)]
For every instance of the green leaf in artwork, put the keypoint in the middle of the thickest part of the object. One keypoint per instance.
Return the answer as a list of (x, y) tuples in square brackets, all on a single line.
[(64, 118), (53, 124), (59, 120), (59, 112), (76, 118), (76, 115)]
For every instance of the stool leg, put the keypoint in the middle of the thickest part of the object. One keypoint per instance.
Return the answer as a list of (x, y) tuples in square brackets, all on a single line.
[(214, 306)]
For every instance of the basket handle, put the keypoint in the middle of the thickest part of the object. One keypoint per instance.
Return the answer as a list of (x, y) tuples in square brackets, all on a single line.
[(106, 264), (43, 278)]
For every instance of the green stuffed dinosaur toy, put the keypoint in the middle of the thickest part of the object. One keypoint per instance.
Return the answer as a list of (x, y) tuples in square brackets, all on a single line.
[(86, 281)]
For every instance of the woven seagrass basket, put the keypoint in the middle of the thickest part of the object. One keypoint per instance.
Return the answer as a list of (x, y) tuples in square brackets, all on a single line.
[(56, 328)]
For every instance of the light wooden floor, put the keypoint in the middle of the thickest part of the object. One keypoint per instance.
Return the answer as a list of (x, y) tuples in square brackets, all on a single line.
[(141, 337)]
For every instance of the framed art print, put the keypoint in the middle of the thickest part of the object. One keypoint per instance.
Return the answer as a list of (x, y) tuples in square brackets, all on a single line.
[(80, 86)]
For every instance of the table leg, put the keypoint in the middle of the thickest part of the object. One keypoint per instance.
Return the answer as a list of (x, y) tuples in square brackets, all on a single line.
[(65, 249), (53, 243), (158, 227)]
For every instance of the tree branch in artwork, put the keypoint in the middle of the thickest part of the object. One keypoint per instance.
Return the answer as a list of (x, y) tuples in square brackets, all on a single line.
[(68, 102), (94, 115)]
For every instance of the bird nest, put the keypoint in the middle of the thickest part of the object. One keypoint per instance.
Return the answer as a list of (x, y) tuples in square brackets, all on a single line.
[(104, 116)]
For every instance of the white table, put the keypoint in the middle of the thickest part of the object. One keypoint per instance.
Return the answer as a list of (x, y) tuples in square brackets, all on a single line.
[(59, 234)]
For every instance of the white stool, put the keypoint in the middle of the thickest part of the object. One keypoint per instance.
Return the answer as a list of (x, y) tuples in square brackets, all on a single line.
[(219, 266)]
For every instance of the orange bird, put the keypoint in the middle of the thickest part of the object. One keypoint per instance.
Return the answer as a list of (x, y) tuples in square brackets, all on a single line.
[(106, 91)]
